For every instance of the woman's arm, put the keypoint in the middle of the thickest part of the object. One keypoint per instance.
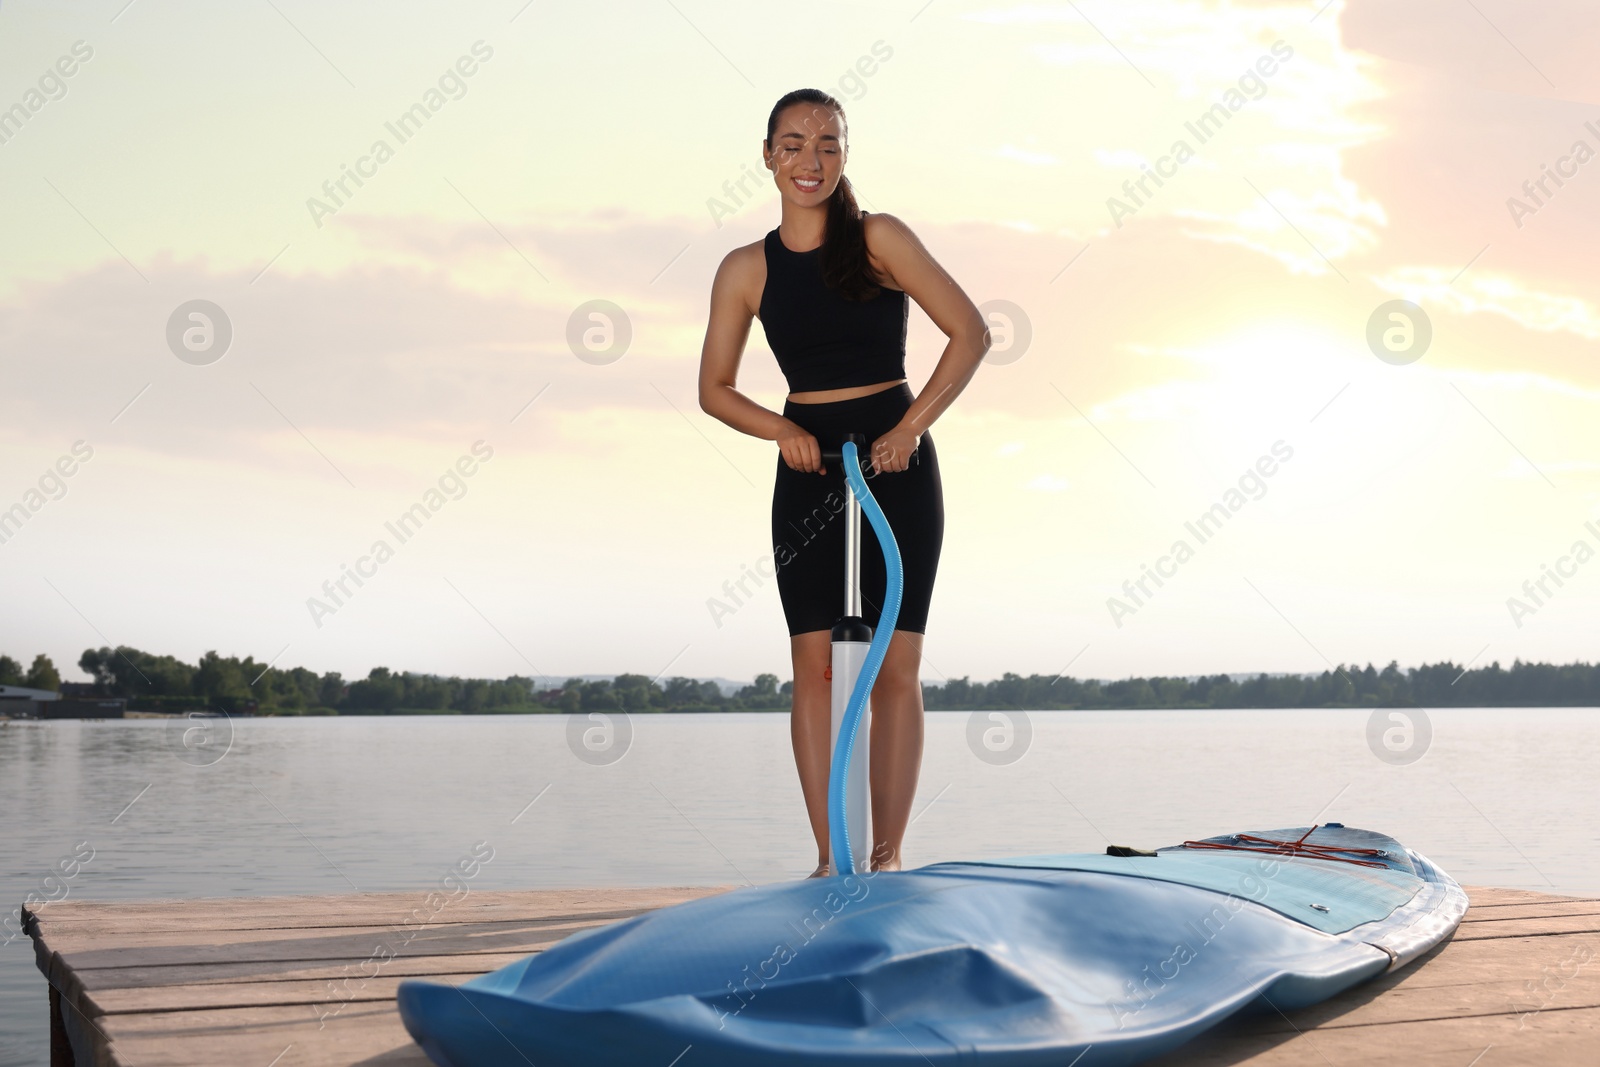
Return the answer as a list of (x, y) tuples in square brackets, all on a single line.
[(727, 330), (898, 252)]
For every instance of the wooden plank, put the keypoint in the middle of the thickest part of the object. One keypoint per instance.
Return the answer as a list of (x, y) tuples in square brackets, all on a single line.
[(1488, 896), (332, 943), (87, 918), (229, 973), (1557, 1039), (1406, 1003), (369, 1035), (1529, 911), (323, 994), (1532, 926)]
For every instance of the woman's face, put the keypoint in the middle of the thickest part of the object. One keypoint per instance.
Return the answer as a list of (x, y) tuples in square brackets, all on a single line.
[(808, 153)]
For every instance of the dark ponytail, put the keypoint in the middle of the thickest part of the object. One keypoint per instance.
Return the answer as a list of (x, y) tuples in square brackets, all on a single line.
[(844, 241)]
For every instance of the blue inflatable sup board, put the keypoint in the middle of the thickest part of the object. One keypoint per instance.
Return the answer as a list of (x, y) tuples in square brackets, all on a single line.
[(1081, 959)]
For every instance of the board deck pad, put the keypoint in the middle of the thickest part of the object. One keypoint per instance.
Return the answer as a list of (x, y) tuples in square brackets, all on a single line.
[(1351, 894)]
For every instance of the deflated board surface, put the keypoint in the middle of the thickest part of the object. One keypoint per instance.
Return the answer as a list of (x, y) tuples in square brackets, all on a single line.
[(1351, 894), (1020, 962)]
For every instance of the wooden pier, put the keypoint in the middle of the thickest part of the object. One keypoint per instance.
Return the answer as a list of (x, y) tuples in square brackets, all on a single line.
[(303, 981)]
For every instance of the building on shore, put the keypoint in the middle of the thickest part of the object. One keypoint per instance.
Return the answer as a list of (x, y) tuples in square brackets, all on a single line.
[(20, 702)]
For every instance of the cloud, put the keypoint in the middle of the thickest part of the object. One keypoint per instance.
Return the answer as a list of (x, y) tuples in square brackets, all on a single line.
[(1538, 50), (1306, 232), (416, 339), (1497, 294)]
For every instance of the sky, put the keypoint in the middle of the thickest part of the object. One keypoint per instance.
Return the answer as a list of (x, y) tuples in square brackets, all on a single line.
[(1219, 343)]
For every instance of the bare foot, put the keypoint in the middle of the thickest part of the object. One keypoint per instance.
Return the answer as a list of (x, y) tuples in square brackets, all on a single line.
[(821, 871), (885, 859)]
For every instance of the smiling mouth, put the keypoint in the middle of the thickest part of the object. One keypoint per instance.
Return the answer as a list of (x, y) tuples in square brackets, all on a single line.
[(808, 185)]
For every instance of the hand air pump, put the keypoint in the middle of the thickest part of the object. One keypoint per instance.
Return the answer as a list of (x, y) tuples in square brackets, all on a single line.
[(858, 653)]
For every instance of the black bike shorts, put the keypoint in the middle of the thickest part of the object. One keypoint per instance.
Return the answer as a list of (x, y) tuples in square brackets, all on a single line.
[(808, 518)]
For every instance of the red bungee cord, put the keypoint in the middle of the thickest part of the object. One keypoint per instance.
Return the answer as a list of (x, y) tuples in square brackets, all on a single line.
[(1297, 847)]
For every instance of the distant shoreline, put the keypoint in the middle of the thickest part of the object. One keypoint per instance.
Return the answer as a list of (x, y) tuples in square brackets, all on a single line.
[(144, 682), (404, 713)]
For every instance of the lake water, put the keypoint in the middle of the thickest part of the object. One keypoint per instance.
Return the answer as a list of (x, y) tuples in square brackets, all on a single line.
[(1502, 797)]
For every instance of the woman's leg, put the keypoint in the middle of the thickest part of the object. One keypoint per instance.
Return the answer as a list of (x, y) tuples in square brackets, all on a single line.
[(896, 746), (810, 723)]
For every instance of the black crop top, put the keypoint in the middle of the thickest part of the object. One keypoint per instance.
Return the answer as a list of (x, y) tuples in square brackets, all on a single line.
[(821, 339)]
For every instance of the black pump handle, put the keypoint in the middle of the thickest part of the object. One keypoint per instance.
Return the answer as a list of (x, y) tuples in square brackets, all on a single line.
[(837, 455)]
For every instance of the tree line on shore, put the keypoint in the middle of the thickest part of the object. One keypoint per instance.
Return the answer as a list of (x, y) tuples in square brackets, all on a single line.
[(230, 684), (1436, 685)]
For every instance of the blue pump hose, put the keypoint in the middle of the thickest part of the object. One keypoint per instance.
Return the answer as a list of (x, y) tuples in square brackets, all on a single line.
[(838, 824)]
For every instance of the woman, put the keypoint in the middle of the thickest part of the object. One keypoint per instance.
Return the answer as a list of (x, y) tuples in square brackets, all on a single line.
[(830, 286)]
